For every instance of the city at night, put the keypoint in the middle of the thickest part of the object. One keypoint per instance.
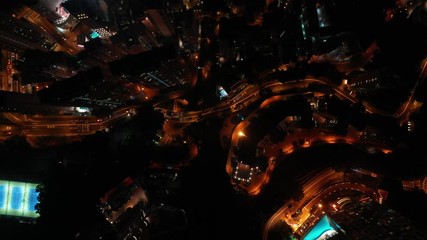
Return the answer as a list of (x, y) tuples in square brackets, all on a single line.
[(213, 119)]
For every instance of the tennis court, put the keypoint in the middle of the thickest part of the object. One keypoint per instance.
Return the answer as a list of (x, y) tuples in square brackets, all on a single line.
[(32, 199), (2, 196), (16, 202), (18, 198)]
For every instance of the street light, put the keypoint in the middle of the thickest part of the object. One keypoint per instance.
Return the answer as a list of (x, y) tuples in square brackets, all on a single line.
[(241, 134)]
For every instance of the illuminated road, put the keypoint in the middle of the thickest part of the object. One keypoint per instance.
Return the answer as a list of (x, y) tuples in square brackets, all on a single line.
[(420, 183), (59, 125), (402, 114), (250, 94), (311, 137)]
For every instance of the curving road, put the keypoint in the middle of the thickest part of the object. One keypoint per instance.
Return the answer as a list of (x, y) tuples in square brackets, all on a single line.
[(251, 93), (316, 136)]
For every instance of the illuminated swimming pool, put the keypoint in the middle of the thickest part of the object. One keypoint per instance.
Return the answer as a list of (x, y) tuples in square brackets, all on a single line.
[(322, 230), (18, 199)]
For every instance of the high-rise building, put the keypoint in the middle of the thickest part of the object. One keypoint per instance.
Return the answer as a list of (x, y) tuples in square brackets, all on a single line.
[(54, 12), (157, 21), (121, 13), (136, 38), (309, 20), (18, 36), (50, 14), (159, 68), (124, 208), (187, 30), (98, 28), (60, 30), (10, 77), (102, 50)]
